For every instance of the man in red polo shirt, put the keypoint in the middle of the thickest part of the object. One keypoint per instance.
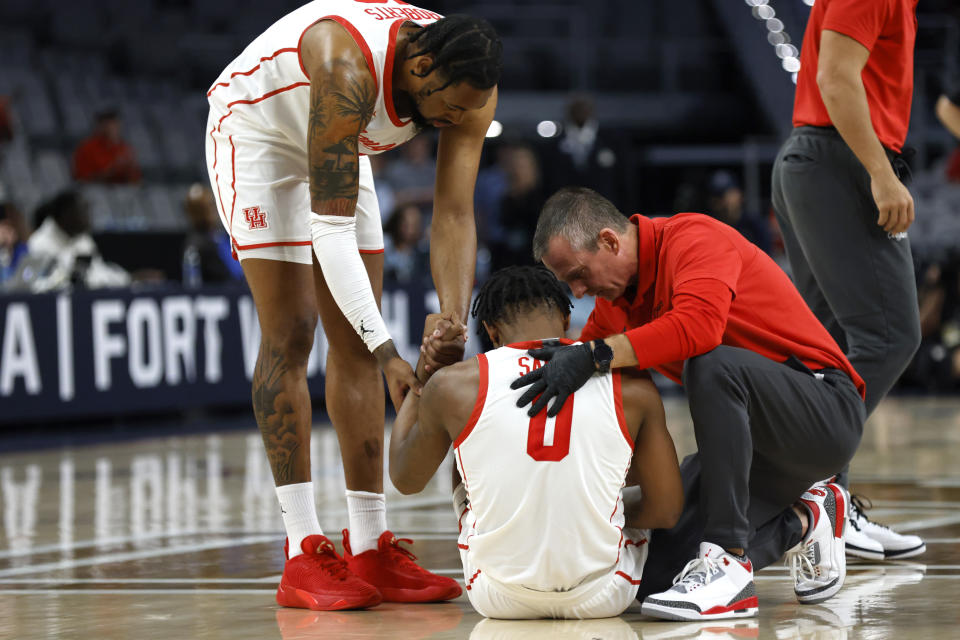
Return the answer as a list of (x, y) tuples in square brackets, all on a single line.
[(775, 404), (843, 209), (104, 156)]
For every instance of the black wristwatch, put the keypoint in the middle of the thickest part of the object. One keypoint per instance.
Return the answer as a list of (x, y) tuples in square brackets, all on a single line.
[(602, 356)]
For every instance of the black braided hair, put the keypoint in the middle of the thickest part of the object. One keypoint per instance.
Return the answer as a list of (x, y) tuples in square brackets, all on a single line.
[(514, 289), (464, 48)]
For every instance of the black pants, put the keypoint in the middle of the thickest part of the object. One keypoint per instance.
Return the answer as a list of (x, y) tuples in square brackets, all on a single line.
[(766, 431), (671, 549), (857, 280)]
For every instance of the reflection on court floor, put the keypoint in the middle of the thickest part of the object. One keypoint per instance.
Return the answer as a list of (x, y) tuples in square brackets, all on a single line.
[(181, 537)]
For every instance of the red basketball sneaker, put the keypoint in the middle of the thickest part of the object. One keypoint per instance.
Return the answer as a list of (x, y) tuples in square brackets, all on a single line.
[(319, 579), (392, 570)]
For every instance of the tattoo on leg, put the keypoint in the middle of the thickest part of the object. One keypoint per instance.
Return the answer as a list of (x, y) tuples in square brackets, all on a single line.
[(276, 414)]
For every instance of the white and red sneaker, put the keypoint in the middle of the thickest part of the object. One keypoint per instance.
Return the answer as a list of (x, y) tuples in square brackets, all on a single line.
[(819, 566), (319, 579), (714, 585), (393, 570), (884, 542)]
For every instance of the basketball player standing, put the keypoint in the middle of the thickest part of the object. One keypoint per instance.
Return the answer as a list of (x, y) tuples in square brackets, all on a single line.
[(292, 120)]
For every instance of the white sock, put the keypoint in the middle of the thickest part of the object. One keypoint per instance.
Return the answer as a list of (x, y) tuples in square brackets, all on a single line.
[(299, 512), (367, 514)]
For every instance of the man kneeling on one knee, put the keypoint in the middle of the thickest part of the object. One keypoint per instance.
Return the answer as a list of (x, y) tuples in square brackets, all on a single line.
[(776, 406)]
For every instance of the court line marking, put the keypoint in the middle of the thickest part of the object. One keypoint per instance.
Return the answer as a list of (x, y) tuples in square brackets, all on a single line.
[(65, 581), (262, 592), (451, 534), (925, 523), (133, 555), (905, 479), (914, 504), (127, 592)]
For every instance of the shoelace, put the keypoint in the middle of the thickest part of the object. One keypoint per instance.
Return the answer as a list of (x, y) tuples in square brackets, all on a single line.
[(404, 556), (326, 559), (860, 506), (802, 562), (694, 573)]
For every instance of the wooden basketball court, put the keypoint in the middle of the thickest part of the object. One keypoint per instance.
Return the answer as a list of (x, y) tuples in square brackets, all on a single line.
[(180, 537)]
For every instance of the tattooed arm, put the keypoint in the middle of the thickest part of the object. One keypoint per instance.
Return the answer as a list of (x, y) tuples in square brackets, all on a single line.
[(343, 94)]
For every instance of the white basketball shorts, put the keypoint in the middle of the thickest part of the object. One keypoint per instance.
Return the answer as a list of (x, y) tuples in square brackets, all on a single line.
[(262, 189), (605, 596)]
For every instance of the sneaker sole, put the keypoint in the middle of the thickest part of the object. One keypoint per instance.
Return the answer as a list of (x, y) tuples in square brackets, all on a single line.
[(430, 594), (904, 553), (666, 612), (819, 595), (288, 596), (865, 554)]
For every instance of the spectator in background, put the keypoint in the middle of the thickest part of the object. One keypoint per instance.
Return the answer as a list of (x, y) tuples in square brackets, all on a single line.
[(583, 155), (104, 156), (518, 209), (412, 174), (948, 111), (13, 237), (207, 256), (6, 120), (405, 259), (936, 366), (63, 238), (490, 190), (726, 204)]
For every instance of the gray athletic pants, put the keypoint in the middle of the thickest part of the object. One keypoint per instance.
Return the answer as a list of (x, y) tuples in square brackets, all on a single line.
[(766, 431), (857, 280)]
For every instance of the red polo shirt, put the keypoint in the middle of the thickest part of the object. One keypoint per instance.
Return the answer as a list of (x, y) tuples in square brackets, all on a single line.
[(98, 159), (888, 29), (701, 284)]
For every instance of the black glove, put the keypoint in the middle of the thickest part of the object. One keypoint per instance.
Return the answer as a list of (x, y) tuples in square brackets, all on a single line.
[(568, 368)]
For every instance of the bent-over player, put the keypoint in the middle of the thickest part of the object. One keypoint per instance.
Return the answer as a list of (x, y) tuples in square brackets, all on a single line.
[(292, 121)]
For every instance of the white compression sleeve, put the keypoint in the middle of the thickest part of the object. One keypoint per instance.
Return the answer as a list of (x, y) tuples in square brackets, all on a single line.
[(335, 243)]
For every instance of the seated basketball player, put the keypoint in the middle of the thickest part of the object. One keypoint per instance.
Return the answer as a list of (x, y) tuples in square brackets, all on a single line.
[(545, 530)]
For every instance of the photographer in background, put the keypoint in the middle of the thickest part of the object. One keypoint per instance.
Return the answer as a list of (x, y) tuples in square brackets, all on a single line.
[(206, 251), (63, 240)]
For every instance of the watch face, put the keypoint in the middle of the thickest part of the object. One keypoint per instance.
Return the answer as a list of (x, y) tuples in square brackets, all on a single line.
[(602, 353)]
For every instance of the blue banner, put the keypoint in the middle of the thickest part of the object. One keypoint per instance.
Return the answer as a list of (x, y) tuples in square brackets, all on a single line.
[(110, 352)]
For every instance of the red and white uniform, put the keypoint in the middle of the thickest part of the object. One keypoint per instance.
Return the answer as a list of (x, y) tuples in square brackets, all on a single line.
[(257, 129), (541, 511)]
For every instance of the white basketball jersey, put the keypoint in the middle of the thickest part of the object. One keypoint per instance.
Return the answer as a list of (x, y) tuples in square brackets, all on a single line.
[(268, 87), (545, 492)]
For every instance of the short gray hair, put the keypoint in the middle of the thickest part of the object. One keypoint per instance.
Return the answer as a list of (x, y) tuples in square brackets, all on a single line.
[(579, 215)]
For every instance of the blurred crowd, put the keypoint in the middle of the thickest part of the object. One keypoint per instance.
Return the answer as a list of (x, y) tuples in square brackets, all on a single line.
[(55, 248)]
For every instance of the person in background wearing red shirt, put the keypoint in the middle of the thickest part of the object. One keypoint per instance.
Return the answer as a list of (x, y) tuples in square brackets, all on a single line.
[(843, 210), (775, 404), (104, 156)]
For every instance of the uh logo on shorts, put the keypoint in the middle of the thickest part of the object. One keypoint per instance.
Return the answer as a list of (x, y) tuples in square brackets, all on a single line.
[(255, 217)]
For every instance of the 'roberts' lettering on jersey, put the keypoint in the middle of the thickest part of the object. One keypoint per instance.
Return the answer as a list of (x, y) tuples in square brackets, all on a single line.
[(408, 13)]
